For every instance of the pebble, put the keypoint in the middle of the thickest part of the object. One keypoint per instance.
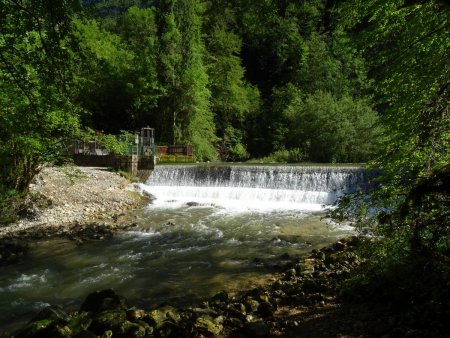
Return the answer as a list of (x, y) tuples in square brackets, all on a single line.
[(84, 202)]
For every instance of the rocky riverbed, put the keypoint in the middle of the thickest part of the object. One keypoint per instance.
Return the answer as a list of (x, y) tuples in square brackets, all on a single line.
[(71, 202), (272, 310), (303, 300)]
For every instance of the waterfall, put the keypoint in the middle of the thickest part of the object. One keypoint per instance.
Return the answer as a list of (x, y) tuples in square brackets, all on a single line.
[(276, 186)]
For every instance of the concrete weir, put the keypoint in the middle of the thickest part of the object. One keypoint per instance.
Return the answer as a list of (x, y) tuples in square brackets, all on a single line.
[(140, 166)]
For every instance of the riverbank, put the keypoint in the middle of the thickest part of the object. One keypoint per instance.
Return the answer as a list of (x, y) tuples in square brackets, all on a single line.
[(78, 203)]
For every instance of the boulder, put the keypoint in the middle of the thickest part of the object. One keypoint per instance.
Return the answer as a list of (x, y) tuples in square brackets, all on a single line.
[(35, 329), (54, 313), (50, 322), (80, 323), (170, 329), (104, 300), (109, 320), (251, 304)]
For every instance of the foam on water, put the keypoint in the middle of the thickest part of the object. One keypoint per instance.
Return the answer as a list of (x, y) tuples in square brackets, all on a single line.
[(263, 188)]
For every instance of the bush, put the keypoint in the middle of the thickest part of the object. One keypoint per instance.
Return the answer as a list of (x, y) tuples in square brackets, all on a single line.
[(176, 159), (10, 205), (294, 155)]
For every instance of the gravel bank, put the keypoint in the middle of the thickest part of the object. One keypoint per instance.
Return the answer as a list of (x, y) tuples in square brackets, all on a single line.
[(75, 202)]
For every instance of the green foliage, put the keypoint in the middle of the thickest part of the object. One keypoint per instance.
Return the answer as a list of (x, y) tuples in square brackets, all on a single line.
[(328, 129), (209, 73), (114, 144), (294, 155), (10, 204), (73, 174), (187, 77), (36, 113), (407, 43)]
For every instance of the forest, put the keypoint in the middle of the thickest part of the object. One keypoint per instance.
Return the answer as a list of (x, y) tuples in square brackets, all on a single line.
[(332, 81)]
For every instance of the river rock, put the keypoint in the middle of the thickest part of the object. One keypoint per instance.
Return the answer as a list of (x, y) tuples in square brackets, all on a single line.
[(256, 329), (208, 326), (39, 328), (291, 273), (80, 323), (220, 297), (306, 268), (170, 329), (158, 316), (85, 334), (339, 246), (135, 314), (50, 322), (54, 313), (100, 301), (251, 304), (113, 320), (265, 309)]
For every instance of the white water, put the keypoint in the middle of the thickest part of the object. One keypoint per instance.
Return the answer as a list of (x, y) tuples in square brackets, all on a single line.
[(182, 252), (253, 187)]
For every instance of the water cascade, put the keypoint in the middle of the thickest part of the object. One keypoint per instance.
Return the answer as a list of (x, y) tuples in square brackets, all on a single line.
[(241, 219), (294, 187)]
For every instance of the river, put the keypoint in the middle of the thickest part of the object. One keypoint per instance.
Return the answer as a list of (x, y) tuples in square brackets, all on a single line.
[(207, 229)]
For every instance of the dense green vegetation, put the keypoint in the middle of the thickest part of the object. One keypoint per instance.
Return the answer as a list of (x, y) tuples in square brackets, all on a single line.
[(235, 79), (315, 80), (210, 74), (407, 44)]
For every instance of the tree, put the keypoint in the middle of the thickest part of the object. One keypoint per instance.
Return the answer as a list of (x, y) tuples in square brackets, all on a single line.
[(36, 113), (104, 77), (329, 129), (232, 98), (182, 70), (407, 44), (138, 29)]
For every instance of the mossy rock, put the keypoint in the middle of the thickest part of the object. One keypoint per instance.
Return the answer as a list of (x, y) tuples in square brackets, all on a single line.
[(80, 322), (169, 329), (251, 304), (50, 322), (208, 326), (54, 313), (38, 328), (158, 316), (132, 330), (108, 320), (220, 297), (306, 268)]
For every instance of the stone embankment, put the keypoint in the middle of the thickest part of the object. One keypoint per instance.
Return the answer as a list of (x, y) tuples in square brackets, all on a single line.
[(71, 202)]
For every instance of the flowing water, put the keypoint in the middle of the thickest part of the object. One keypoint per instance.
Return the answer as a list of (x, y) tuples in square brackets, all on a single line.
[(207, 229)]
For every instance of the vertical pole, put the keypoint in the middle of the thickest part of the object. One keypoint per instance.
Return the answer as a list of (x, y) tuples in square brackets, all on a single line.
[(174, 127)]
